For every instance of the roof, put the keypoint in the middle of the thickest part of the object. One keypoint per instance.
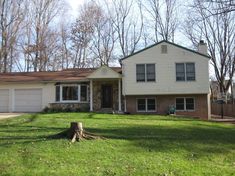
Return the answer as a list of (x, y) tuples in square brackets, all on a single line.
[(67, 75), (179, 46)]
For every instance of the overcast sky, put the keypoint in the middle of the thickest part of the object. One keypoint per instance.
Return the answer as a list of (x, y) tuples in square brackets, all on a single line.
[(74, 5)]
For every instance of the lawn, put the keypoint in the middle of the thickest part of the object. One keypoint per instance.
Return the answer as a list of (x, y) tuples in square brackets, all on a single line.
[(134, 145)]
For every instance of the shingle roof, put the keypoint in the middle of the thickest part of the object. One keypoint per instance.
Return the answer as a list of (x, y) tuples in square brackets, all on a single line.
[(68, 75)]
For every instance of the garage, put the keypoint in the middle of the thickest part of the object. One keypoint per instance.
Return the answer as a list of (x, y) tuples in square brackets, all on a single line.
[(4, 100), (28, 100)]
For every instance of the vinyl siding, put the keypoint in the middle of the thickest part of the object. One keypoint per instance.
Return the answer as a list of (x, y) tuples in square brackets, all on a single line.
[(165, 72)]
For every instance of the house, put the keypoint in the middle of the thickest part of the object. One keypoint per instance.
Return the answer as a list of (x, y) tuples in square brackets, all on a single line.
[(149, 81), (216, 93), (215, 90)]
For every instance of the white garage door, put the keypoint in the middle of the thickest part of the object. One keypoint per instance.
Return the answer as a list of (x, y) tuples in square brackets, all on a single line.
[(28, 100), (4, 100)]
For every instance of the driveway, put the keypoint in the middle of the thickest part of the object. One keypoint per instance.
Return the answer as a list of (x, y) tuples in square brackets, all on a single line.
[(9, 115)]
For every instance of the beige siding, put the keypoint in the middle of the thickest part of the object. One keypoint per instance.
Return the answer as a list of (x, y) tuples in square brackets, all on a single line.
[(165, 72), (104, 72), (48, 92)]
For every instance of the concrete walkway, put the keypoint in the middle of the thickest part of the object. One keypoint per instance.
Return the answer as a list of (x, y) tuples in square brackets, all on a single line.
[(9, 115), (217, 118)]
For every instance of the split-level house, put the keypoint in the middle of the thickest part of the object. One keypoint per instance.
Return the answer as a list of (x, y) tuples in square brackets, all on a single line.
[(152, 80)]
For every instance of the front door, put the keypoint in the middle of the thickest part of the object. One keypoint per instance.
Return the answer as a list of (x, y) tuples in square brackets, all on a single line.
[(107, 100)]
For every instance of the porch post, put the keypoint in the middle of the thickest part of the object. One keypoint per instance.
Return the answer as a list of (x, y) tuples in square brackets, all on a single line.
[(119, 95), (91, 95)]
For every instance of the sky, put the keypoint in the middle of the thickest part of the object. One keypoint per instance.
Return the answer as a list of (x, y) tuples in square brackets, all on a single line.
[(75, 4)]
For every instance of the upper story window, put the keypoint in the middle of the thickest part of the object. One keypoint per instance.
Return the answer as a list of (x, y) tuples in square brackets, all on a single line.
[(164, 49), (73, 93), (185, 72), (145, 72)]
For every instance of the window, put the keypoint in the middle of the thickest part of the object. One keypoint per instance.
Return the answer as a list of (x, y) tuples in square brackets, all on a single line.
[(184, 104), (185, 71), (189, 103), (145, 72), (151, 104), (83, 92), (164, 49), (190, 71), (71, 93), (150, 72), (146, 105), (141, 105), (140, 72), (180, 104), (180, 72), (57, 93)]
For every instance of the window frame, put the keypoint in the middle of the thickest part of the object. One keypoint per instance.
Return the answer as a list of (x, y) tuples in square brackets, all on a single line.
[(78, 92), (185, 109), (137, 73), (185, 72), (146, 105), (69, 85), (182, 72), (87, 92), (146, 72)]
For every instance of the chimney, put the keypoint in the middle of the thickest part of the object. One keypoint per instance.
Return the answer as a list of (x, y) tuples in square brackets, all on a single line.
[(202, 47)]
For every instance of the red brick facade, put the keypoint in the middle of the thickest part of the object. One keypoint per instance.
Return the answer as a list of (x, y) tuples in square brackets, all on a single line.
[(164, 101)]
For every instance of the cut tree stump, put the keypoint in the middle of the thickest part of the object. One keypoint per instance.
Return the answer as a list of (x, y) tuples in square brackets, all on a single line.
[(77, 133)]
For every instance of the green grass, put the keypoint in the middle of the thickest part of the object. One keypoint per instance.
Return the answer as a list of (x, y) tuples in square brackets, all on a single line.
[(135, 145)]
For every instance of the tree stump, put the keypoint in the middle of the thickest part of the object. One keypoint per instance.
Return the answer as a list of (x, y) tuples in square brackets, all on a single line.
[(77, 133)]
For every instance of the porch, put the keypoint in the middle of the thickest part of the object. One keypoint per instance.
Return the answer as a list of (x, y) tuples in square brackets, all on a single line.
[(105, 90)]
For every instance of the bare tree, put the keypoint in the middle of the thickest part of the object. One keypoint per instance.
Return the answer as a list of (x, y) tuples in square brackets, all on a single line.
[(11, 16), (223, 6), (41, 16), (162, 18), (127, 18), (103, 38), (64, 49), (219, 32), (82, 31)]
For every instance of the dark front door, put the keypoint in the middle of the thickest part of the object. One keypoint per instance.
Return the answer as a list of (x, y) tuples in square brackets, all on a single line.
[(107, 100)]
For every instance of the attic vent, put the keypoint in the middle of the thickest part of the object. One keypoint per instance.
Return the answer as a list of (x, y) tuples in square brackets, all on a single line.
[(164, 49)]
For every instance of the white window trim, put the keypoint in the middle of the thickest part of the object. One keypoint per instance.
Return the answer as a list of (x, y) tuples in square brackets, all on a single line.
[(185, 110), (146, 105), (145, 73), (185, 72), (79, 93)]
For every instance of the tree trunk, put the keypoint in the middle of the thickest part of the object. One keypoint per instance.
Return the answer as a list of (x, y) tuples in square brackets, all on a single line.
[(76, 133)]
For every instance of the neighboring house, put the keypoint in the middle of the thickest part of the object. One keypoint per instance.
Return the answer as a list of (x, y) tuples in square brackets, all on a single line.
[(216, 93), (149, 81)]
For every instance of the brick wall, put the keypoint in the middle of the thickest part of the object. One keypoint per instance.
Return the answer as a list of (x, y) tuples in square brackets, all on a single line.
[(164, 101)]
